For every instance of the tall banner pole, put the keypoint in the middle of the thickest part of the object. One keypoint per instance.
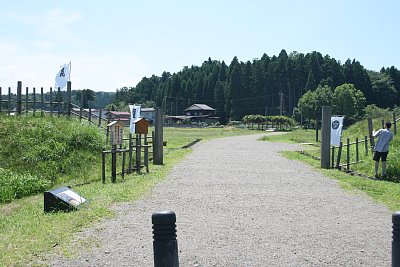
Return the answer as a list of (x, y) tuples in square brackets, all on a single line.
[(325, 137)]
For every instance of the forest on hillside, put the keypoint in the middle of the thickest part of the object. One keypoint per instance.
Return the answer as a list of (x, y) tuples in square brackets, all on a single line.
[(266, 86)]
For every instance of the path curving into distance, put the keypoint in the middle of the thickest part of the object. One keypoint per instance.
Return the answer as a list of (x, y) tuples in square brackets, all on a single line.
[(238, 202)]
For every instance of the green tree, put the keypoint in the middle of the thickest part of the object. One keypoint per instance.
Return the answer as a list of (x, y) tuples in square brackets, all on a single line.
[(84, 96), (219, 100), (311, 84), (348, 101), (308, 105)]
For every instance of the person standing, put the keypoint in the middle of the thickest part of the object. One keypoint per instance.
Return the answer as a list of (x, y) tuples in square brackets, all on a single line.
[(382, 147)]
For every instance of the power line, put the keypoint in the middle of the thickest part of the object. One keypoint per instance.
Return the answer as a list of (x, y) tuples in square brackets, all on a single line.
[(213, 100)]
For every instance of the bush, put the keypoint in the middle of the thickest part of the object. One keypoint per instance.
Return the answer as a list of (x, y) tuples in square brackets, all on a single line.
[(46, 151), (13, 186)]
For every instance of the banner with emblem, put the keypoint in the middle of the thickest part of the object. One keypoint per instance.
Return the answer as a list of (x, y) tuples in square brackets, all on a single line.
[(336, 130), (135, 114), (63, 76)]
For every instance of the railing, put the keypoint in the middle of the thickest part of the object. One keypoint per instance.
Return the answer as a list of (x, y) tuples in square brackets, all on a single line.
[(345, 152), (18, 103)]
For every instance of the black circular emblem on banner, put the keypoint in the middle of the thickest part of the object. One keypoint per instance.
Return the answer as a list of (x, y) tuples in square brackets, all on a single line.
[(335, 124)]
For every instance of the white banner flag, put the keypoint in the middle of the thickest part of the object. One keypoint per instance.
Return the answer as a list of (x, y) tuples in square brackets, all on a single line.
[(135, 114), (63, 76), (336, 130)]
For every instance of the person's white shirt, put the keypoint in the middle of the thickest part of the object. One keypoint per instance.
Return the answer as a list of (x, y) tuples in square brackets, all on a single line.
[(384, 137)]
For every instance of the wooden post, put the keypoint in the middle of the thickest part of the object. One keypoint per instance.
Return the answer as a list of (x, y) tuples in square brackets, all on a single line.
[(42, 102), (339, 155), (34, 101), (108, 129), (114, 164), (123, 164), (366, 145), (100, 118), (333, 157), (348, 154), (146, 153), (383, 124), (316, 130), (394, 123), (130, 154), (103, 166), (158, 157), (370, 129), (152, 143), (90, 115), (59, 101), (19, 95), (51, 101), (9, 101), (357, 150), (26, 100), (69, 99), (325, 137), (138, 151)]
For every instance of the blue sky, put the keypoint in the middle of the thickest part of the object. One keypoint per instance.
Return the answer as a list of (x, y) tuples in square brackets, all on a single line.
[(116, 43)]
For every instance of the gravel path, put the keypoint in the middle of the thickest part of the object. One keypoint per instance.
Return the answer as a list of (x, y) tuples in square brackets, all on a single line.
[(239, 203)]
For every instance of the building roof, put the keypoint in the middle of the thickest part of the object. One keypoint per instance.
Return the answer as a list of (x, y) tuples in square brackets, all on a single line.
[(197, 107), (147, 109), (119, 112)]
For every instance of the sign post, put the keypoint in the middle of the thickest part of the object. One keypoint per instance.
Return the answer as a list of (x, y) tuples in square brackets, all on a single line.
[(325, 137)]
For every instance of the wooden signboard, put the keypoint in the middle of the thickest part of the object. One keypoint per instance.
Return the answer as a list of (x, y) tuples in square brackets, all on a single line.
[(116, 129)]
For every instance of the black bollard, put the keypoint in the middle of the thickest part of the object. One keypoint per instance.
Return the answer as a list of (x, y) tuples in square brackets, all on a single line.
[(165, 246), (396, 239)]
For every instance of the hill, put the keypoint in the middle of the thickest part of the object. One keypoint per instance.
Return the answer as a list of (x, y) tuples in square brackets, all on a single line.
[(37, 153), (267, 86)]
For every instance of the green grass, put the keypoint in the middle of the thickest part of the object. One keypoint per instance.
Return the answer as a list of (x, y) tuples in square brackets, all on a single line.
[(28, 235), (365, 163), (384, 192), (295, 136), (38, 152)]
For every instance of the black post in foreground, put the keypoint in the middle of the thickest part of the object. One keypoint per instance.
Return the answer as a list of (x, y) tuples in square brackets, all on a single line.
[(396, 239), (165, 245)]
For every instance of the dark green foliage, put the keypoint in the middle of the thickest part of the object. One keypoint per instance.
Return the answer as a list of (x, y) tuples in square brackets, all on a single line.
[(46, 151), (345, 100), (269, 86), (84, 96), (278, 122)]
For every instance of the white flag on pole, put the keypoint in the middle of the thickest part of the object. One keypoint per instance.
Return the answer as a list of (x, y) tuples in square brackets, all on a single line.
[(336, 130), (135, 114), (63, 76)]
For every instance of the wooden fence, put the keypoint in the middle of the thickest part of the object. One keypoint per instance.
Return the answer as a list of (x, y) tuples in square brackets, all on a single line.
[(55, 102), (350, 153), (58, 102)]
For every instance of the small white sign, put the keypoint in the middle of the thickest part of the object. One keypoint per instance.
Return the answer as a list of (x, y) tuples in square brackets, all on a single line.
[(71, 197)]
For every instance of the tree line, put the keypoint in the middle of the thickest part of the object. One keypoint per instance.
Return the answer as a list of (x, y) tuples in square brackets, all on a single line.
[(266, 86)]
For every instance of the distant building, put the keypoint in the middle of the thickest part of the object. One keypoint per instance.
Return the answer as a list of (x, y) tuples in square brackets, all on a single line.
[(199, 110), (148, 113), (121, 116), (197, 113)]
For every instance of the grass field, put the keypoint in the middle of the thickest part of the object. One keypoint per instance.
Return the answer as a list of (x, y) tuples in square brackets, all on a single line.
[(27, 234)]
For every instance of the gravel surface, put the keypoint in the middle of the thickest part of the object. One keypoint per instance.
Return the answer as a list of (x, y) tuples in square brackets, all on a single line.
[(238, 202)]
